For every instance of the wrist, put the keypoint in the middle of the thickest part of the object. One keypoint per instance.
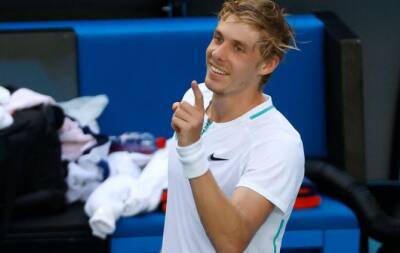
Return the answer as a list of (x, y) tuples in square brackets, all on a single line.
[(193, 159), (185, 141)]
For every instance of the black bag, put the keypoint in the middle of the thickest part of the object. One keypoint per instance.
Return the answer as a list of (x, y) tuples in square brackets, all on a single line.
[(32, 176)]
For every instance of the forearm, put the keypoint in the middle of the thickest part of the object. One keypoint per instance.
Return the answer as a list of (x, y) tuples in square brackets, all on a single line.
[(223, 222)]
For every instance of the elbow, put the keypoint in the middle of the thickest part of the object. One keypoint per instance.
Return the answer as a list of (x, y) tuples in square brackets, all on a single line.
[(233, 241), (229, 246)]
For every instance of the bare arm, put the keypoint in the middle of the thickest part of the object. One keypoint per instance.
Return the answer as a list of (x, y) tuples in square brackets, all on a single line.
[(229, 223)]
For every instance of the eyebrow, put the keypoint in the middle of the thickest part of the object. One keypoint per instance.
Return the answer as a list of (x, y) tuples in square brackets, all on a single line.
[(239, 42)]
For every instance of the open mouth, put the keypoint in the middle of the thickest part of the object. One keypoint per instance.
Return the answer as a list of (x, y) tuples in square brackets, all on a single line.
[(217, 70)]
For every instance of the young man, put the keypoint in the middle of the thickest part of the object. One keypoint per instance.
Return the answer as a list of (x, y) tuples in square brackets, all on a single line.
[(237, 164)]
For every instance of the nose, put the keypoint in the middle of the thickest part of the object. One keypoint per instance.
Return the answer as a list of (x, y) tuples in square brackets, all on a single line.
[(218, 52)]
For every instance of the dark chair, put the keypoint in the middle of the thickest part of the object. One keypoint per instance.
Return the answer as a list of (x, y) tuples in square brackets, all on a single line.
[(34, 66), (376, 203), (62, 233)]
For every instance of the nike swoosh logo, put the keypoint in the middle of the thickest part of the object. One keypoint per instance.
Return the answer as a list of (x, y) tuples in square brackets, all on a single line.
[(213, 158)]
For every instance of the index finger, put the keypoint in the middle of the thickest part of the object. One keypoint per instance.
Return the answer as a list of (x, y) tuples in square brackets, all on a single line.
[(198, 96)]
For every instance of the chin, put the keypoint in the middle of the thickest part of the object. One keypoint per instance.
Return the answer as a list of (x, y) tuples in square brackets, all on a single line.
[(211, 84), (214, 86)]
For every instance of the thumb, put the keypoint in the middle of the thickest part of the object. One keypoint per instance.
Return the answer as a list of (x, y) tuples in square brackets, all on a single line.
[(198, 96)]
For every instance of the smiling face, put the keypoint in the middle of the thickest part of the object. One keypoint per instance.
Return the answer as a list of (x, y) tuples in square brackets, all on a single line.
[(234, 62)]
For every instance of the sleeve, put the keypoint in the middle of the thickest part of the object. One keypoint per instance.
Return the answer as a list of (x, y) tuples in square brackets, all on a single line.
[(275, 170)]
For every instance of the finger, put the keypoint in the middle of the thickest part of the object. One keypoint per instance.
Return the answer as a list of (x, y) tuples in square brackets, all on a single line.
[(182, 114), (187, 107), (178, 124), (198, 96), (175, 106), (175, 127)]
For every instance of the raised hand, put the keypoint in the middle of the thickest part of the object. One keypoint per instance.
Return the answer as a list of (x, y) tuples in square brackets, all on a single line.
[(187, 120)]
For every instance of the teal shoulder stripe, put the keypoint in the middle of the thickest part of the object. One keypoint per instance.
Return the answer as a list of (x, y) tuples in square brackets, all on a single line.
[(277, 234), (255, 115)]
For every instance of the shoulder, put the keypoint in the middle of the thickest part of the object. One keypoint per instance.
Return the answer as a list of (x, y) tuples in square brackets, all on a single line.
[(273, 128), (274, 140)]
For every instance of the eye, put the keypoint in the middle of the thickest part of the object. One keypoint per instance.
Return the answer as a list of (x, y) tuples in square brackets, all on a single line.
[(238, 48), (218, 38)]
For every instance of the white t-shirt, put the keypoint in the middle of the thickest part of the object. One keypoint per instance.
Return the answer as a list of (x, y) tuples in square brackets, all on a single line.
[(259, 150)]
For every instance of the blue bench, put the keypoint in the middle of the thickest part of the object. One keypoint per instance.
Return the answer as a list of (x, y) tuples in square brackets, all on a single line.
[(331, 227), (145, 65)]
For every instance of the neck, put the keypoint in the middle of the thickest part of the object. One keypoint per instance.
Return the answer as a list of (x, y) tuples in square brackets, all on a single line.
[(227, 108)]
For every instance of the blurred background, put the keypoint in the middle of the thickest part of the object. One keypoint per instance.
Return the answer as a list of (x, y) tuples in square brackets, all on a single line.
[(374, 23)]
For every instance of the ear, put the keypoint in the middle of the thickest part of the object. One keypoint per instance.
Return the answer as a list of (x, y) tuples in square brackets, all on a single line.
[(267, 67)]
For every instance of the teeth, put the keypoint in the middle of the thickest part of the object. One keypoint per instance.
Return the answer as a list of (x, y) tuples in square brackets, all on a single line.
[(218, 71)]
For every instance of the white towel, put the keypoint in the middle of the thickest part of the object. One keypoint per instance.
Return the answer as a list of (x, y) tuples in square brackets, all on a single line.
[(5, 118), (109, 198), (82, 181), (122, 163), (25, 98), (140, 159), (96, 154), (84, 176), (86, 110), (126, 194), (103, 222), (146, 195)]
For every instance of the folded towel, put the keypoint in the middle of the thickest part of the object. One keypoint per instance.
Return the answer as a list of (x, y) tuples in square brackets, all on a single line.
[(86, 110), (121, 162), (103, 221), (85, 175), (25, 98), (109, 197), (82, 181), (145, 196), (140, 159), (5, 118)]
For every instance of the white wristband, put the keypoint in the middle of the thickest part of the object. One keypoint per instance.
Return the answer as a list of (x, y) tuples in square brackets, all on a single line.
[(193, 160)]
